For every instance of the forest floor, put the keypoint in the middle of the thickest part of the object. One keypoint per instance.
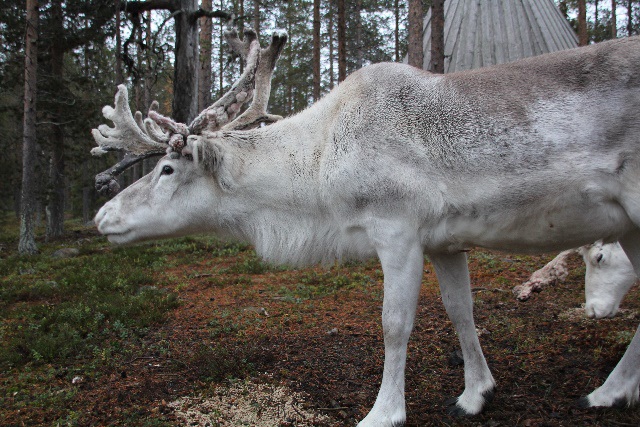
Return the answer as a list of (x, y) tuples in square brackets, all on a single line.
[(251, 344)]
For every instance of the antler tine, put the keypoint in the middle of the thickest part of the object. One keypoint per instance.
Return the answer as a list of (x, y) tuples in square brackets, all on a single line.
[(126, 135), (257, 111), (226, 108), (241, 47)]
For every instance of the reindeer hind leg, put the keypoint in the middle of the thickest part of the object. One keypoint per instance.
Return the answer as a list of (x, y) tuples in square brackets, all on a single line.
[(455, 288)]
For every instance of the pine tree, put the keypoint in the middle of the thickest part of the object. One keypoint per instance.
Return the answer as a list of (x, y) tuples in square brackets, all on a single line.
[(27, 243), (437, 36), (205, 76), (316, 50), (416, 54)]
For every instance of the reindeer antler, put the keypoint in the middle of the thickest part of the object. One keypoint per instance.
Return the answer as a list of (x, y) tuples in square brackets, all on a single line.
[(138, 138), (254, 82), (257, 111), (227, 107), (156, 134), (128, 134)]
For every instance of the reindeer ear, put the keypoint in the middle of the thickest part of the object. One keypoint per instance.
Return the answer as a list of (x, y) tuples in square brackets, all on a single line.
[(583, 250), (207, 152), (204, 151)]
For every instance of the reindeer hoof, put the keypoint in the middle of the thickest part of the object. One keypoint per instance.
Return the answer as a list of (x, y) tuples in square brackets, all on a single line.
[(457, 412), (583, 403), (489, 395), (455, 409)]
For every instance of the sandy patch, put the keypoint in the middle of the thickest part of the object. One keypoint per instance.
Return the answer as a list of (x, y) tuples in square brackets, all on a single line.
[(248, 404)]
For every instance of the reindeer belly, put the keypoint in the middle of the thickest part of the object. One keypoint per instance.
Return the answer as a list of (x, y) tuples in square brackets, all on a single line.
[(568, 219)]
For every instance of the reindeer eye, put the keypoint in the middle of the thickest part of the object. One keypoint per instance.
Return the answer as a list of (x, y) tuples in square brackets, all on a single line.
[(599, 258), (167, 170)]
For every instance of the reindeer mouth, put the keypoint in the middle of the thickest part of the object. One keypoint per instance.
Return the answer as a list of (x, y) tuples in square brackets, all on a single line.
[(119, 238)]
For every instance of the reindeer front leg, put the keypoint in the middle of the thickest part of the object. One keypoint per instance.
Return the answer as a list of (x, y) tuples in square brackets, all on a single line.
[(453, 276), (402, 260)]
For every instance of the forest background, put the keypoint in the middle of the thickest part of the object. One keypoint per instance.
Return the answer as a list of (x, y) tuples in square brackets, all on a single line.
[(84, 48)]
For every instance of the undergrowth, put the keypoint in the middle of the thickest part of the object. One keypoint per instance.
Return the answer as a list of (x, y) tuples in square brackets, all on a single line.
[(63, 318)]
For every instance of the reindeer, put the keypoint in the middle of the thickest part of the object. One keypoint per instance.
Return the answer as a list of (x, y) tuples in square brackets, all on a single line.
[(609, 276), (537, 155)]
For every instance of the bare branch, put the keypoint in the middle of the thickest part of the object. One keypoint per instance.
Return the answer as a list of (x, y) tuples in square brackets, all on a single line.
[(143, 6), (106, 182), (212, 14)]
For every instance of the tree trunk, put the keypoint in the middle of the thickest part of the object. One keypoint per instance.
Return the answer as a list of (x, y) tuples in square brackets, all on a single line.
[(396, 30), (206, 74), (331, 41), (119, 75), (147, 164), (583, 38), (238, 4), (221, 60), (415, 49), (27, 243), (56, 193), (342, 42), (119, 71), (86, 195), (86, 205), (359, 44), (185, 82), (139, 83), (316, 50), (629, 18), (289, 56), (614, 23), (256, 17), (437, 37)]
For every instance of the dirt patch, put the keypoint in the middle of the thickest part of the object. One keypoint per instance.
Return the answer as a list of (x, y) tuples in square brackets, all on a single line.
[(312, 352)]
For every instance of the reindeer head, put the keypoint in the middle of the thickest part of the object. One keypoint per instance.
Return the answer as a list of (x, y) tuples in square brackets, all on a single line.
[(608, 278), (177, 180)]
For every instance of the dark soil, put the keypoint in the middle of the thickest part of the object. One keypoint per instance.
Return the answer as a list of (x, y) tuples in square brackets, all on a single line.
[(329, 346)]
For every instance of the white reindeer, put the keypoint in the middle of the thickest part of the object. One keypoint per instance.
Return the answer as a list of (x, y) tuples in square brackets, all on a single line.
[(609, 276), (537, 155)]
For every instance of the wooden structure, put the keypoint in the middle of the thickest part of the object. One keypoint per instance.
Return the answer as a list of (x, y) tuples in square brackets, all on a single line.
[(478, 33)]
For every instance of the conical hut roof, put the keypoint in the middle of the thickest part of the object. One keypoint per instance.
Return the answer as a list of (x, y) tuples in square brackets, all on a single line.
[(478, 33)]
